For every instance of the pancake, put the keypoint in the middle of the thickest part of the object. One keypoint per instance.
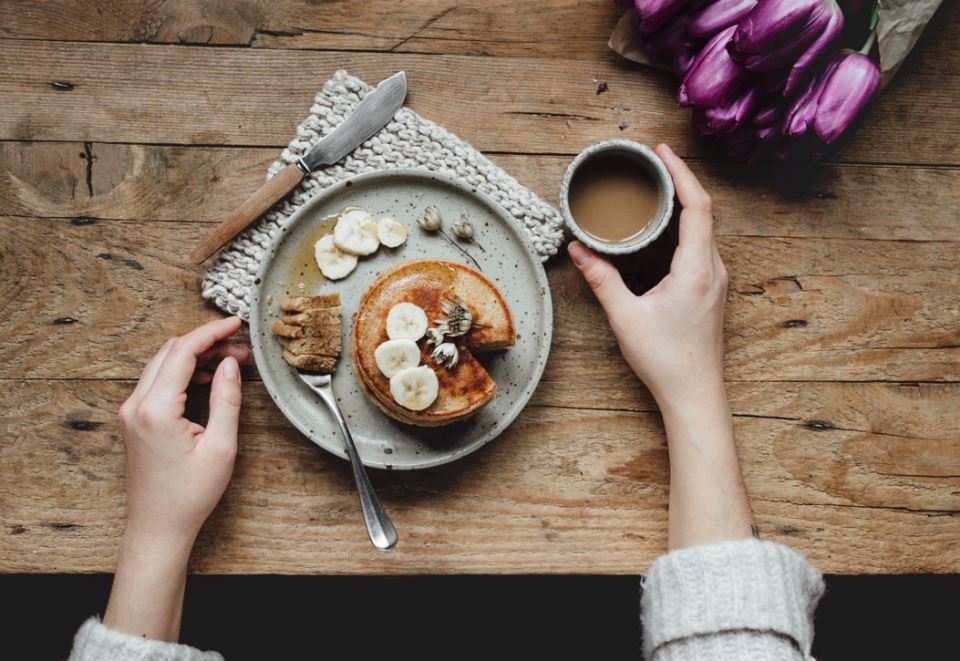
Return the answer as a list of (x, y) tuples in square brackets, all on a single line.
[(427, 283)]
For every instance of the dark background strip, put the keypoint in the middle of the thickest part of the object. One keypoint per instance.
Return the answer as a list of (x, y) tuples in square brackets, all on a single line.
[(445, 617)]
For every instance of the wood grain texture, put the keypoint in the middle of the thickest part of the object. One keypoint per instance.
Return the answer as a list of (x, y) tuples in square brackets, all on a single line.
[(799, 309), (196, 184), (843, 331), (265, 196), (192, 95), (562, 491), (553, 28)]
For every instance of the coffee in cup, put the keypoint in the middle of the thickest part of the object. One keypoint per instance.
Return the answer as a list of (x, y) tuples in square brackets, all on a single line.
[(617, 196)]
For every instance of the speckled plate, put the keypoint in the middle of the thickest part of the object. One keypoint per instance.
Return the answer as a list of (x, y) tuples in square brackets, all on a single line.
[(507, 258)]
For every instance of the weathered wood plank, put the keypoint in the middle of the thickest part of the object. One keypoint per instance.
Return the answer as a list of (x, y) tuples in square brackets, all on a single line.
[(192, 95), (149, 182), (553, 28), (562, 491), (800, 309)]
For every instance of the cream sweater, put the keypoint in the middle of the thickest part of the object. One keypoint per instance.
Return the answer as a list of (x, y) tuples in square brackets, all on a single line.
[(747, 600)]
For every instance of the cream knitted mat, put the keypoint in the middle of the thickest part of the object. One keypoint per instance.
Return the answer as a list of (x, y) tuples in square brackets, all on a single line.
[(408, 141)]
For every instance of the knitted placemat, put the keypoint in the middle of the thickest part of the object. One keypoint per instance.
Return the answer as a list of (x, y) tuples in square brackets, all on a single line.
[(408, 141)]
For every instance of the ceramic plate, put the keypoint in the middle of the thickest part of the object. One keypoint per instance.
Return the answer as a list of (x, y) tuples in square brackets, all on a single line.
[(504, 254)]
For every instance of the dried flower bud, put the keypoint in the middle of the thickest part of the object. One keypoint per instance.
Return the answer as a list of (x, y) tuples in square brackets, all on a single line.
[(431, 219), (459, 318), (446, 354), (463, 228), (435, 335)]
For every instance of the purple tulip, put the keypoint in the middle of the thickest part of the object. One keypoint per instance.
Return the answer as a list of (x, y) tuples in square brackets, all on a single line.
[(770, 112), (654, 13), (787, 34), (713, 79), (671, 43), (718, 16), (682, 62), (769, 134), (671, 38), (833, 100), (731, 117)]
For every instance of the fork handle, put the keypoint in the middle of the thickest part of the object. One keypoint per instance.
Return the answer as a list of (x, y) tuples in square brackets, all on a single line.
[(382, 532)]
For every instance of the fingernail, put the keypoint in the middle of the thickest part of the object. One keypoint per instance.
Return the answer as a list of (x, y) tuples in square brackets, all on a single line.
[(231, 370), (578, 253)]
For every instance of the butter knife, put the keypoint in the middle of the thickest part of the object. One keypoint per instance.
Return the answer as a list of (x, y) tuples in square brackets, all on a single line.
[(374, 112)]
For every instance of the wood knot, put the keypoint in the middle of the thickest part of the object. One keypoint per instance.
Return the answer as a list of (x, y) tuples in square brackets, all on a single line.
[(82, 425), (60, 525)]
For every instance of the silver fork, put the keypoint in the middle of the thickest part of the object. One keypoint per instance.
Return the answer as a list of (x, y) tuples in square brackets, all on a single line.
[(382, 532)]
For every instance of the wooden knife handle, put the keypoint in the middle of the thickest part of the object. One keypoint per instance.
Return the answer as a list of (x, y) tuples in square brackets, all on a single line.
[(266, 196)]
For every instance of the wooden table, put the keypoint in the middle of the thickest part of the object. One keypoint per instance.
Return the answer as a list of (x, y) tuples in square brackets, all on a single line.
[(128, 128)]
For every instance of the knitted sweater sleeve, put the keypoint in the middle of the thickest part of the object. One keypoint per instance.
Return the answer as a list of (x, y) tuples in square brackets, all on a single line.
[(745, 599), (96, 642)]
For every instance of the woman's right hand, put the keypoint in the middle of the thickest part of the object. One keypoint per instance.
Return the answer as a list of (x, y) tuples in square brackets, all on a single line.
[(672, 336)]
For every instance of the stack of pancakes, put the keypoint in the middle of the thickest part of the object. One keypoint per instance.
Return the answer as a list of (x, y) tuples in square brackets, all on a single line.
[(427, 283), (309, 330)]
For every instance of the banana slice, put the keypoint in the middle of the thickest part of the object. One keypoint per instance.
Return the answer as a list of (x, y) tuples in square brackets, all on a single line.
[(334, 263), (415, 388), (396, 355), (391, 233), (406, 321), (356, 232)]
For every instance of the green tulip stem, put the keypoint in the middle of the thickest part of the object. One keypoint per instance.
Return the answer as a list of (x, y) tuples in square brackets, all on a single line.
[(874, 20), (871, 40)]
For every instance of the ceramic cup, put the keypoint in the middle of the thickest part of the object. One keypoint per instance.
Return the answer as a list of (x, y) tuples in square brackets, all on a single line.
[(658, 171)]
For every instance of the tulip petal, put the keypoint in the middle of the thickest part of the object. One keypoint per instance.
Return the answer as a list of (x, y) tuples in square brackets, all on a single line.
[(714, 78), (769, 113), (844, 95), (719, 16), (654, 13), (772, 22), (785, 54), (801, 112), (800, 68), (732, 116), (769, 133), (682, 62), (671, 39)]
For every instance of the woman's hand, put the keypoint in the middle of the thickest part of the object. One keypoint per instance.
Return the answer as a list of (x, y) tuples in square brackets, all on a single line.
[(177, 471), (672, 336)]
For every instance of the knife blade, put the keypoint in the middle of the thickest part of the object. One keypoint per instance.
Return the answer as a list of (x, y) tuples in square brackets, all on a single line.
[(377, 108), (373, 113)]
